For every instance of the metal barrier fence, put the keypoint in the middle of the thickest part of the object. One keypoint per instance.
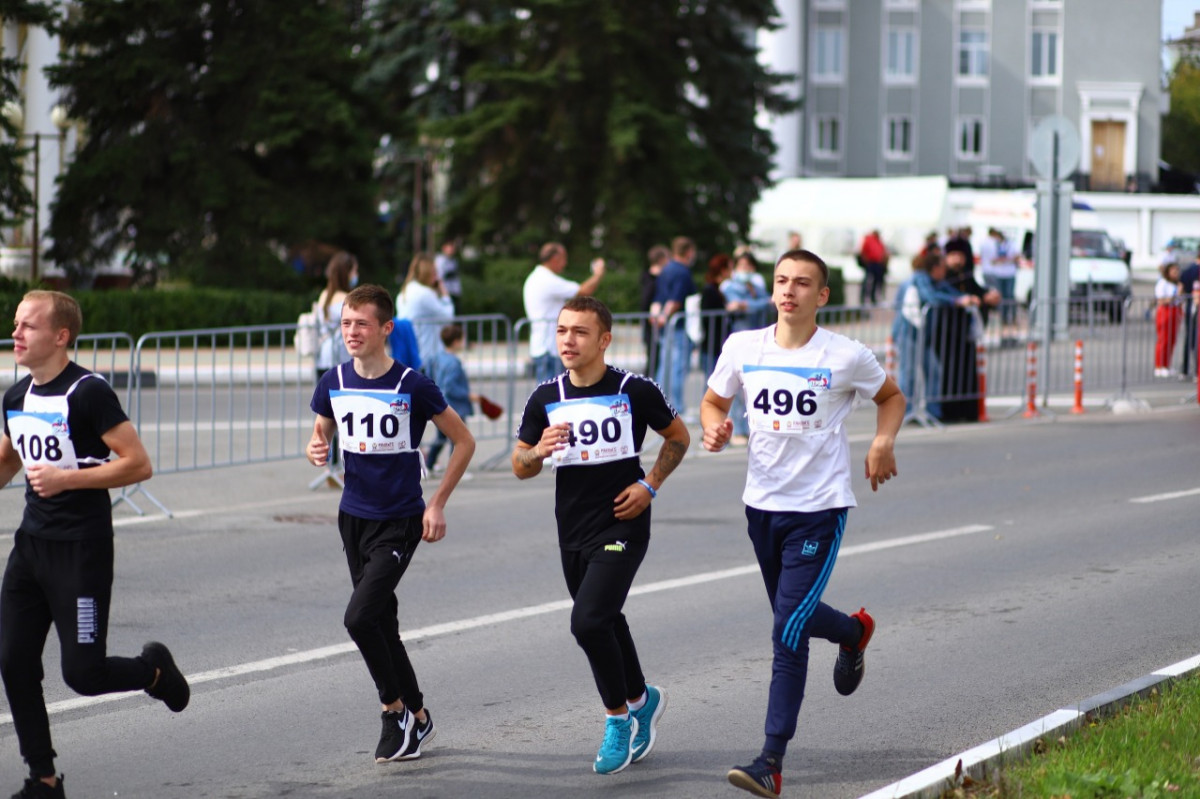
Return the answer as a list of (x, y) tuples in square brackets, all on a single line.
[(232, 396)]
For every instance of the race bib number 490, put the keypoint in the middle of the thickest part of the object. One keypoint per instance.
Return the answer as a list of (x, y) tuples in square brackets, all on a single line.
[(787, 400), (601, 429)]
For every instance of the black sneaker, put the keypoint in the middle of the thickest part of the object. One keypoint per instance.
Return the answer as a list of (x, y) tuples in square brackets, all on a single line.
[(36, 789), (170, 685), (761, 778), (423, 734), (850, 667), (397, 739)]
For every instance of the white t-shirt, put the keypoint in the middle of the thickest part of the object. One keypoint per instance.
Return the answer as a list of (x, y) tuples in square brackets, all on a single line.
[(796, 401), (1165, 289), (545, 292), (990, 252)]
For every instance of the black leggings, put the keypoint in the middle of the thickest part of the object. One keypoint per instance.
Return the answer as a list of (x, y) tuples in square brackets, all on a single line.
[(68, 584), (378, 553), (599, 581)]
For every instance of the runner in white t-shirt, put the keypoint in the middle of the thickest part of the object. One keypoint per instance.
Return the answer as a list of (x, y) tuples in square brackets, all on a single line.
[(799, 383)]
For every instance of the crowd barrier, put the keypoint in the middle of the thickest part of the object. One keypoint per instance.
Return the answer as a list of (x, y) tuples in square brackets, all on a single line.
[(212, 398)]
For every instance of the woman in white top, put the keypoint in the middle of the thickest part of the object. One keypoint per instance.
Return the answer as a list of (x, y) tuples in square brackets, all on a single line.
[(425, 302), (1166, 318), (341, 275)]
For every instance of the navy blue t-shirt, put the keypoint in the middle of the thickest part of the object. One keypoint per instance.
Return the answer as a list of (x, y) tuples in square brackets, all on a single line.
[(674, 283), (383, 485)]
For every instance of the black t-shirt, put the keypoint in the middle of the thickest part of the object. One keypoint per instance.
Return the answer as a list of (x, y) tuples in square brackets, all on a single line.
[(93, 410), (584, 494)]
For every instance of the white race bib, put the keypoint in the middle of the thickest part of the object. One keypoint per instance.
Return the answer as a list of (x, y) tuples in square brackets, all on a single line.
[(371, 421), (40, 432), (787, 400), (601, 429)]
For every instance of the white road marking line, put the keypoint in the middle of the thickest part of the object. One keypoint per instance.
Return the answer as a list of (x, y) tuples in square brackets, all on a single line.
[(490, 619), (1164, 497)]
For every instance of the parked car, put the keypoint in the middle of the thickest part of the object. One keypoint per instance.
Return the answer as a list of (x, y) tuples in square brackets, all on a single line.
[(1186, 249)]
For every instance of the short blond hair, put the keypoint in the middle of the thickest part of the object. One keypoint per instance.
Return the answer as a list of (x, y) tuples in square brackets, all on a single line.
[(64, 311)]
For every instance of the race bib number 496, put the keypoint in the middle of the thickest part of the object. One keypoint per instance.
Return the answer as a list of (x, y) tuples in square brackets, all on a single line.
[(787, 400)]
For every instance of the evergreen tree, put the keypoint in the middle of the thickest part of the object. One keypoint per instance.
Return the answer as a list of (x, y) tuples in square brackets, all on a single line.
[(607, 125), (16, 199), (217, 135), (1181, 125)]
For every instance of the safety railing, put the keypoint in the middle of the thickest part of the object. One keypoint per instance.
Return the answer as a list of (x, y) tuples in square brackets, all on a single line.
[(231, 396)]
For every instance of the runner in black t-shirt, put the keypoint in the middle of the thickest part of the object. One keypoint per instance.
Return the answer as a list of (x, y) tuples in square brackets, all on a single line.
[(379, 408), (591, 422), (62, 423)]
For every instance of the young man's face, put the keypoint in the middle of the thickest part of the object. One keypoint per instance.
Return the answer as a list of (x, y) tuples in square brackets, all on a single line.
[(798, 291), (580, 339), (35, 339), (365, 336)]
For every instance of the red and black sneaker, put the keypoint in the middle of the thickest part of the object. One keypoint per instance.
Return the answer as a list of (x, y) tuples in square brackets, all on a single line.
[(761, 778), (850, 667)]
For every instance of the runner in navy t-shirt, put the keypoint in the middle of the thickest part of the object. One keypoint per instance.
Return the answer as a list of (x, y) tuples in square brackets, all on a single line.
[(379, 408)]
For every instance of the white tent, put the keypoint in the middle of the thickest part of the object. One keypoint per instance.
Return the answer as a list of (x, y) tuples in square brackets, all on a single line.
[(833, 214)]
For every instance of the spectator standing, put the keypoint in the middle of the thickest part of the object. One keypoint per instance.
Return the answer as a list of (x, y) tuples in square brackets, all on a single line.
[(675, 285), (749, 300), (961, 242), (962, 278), (1187, 284), (424, 302), (341, 275), (873, 258), (916, 343), (1166, 318), (544, 293), (446, 262), (656, 258), (804, 381), (714, 310), (998, 263), (67, 423), (448, 372)]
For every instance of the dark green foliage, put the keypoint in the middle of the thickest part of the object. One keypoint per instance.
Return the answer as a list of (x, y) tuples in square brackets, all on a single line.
[(1181, 125), (218, 134), (609, 126), (141, 312)]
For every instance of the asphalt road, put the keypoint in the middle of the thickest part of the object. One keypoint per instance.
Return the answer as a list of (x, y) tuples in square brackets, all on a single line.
[(1012, 569)]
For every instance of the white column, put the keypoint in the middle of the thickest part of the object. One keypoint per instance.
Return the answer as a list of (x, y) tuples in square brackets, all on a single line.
[(41, 51), (782, 51)]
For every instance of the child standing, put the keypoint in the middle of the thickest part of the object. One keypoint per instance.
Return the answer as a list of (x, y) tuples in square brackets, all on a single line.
[(447, 371), (1167, 314)]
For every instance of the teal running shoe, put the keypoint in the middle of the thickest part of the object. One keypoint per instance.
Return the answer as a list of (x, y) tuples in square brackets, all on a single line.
[(617, 748), (647, 718)]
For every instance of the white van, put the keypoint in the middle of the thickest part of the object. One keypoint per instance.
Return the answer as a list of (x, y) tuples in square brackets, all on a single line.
[(1097, 265)]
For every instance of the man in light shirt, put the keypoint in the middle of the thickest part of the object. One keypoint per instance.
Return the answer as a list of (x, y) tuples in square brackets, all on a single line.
[(544, 292)]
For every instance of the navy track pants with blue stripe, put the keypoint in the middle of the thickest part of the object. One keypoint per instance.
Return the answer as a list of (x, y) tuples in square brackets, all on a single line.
[(796, 553)]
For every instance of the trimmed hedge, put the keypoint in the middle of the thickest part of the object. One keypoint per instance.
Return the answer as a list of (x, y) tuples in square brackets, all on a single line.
[(158, 310)]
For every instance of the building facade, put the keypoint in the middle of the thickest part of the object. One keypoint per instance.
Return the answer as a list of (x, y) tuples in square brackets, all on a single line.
[(955, 87)]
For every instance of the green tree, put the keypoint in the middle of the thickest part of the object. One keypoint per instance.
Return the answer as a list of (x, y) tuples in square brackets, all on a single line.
[(606, 125), (16, 199), (217, 135), (1181, 125)]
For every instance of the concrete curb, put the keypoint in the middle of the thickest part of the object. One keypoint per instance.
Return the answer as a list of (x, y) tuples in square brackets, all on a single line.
[(983, 761)]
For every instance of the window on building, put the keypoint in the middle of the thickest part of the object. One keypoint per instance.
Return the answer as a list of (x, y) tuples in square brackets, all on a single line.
[(1044, 54), (970, 138), (827, 136), (827, 54), (900, 62), (898, 137), (972, 53)]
